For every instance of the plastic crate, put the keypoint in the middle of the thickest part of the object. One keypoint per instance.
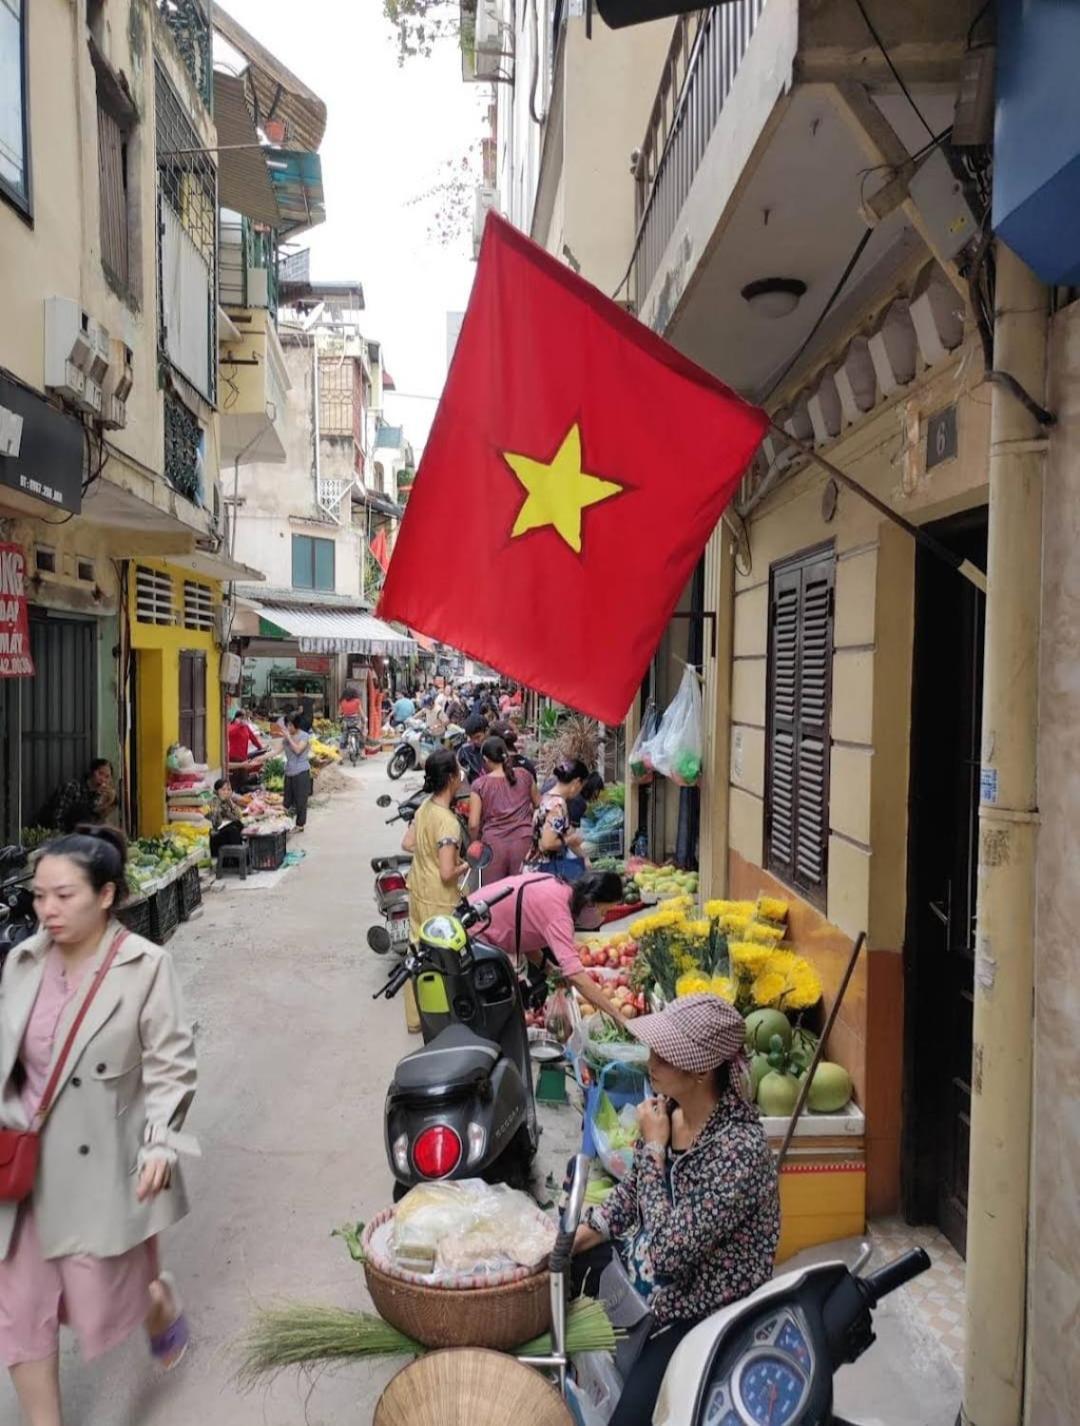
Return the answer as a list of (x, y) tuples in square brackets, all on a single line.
[(165, 912), (135, 915), (266, 853), (190, 891)]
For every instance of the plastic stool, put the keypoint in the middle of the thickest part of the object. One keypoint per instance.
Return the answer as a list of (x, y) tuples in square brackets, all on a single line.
[(235, 857)]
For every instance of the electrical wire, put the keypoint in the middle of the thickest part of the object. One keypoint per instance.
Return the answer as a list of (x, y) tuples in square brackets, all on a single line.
[(860, 247), (895, 72), (975, 23)]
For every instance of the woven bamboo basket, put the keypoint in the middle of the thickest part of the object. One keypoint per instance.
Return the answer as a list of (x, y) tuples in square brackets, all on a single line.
[(498, 1317), (470, 1388)]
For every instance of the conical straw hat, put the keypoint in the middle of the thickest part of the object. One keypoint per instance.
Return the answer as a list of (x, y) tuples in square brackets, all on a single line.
[(470, 1386)]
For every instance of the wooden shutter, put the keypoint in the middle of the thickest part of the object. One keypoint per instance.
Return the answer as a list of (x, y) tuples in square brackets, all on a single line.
[(193, 702), (113, 188), (798, 721)]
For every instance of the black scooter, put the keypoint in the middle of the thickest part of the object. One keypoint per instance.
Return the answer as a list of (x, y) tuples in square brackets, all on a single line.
[(463, 1106), (17, 919)]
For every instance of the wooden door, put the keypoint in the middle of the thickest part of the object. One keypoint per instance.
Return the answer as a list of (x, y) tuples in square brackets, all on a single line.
[(193, 702), (943, 866)]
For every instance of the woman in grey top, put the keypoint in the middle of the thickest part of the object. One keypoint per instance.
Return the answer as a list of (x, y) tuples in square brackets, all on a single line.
[(297, 769)]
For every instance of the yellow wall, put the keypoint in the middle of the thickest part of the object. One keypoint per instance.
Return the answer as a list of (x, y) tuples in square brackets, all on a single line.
[(158, 650)]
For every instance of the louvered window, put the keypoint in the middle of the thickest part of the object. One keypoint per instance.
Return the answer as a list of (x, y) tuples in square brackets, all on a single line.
[(198, 606), (153, 596), (798, 721)]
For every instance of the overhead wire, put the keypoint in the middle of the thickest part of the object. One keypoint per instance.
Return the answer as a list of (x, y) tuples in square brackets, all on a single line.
[(895, 72)]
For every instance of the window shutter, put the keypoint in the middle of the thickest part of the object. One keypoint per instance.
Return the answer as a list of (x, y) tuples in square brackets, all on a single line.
[(800, 690)]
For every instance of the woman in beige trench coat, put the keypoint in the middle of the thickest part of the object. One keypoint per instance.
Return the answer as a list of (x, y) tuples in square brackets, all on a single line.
[(82, 1248)]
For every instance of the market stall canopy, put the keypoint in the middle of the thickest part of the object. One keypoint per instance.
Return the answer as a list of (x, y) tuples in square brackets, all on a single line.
[(334, 631), (279, 97), (298, 186), (426, 644)]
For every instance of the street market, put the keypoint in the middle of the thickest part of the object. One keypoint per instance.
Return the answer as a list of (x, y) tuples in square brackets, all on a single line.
[(538, 687)]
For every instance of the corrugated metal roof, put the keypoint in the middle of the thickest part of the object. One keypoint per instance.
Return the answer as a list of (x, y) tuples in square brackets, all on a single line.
[(243, 181), (298, 187), (278, 93), (334, 631)]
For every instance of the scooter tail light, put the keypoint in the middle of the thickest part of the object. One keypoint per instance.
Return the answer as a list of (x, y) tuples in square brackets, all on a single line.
[(394, 882), (477, 1136), (437, 1151)]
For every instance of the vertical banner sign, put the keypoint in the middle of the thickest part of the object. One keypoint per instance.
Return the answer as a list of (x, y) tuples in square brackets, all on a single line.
[(15, 658)]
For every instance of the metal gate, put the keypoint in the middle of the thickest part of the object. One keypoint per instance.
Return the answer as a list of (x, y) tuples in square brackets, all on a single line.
[(59, 708)]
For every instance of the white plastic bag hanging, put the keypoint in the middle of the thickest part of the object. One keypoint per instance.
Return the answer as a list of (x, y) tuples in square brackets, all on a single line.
[(641, 767), (677, 749)]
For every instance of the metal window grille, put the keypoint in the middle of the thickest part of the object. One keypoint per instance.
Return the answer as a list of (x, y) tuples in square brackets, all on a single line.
[(198, 606), (182, 440), (335, 396), (187, 197), (188, 22), (153, 596)]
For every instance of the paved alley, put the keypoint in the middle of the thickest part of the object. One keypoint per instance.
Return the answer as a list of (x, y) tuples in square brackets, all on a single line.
[(293, 1063)]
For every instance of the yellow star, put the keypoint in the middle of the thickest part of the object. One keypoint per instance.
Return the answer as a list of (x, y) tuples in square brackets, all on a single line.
[(559, 492)]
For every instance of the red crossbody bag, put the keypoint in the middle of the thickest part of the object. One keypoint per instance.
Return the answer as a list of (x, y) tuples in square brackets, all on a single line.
[(20, 1149)]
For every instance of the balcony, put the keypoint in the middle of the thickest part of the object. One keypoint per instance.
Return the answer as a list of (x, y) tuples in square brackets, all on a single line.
[(779, 145), (253, 388), (188, 21)]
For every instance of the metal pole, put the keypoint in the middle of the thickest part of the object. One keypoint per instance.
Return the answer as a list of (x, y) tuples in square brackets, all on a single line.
[(998, 1183)]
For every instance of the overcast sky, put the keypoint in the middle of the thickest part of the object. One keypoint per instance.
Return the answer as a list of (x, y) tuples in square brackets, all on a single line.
[(389, 130)]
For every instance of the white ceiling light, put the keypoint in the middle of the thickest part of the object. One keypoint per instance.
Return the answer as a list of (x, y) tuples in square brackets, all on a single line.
[(774, 296)]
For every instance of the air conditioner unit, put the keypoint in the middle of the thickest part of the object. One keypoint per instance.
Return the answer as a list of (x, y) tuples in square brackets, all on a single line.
[(69, 349), (117, 387), (258, 287), (486, 200)]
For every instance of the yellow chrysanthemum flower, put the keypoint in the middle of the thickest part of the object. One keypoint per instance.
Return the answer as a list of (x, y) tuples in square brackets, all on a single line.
[(804, 987), (692, 983), (764, 935), (732, 925), (783, 963), (768, 988), (699, 929), (748, 959), (716, 909), (723, 986), (771, 908)]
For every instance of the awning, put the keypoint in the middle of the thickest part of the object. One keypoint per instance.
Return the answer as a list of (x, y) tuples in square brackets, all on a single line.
[(334, 631), (279, 95), (217, 566), (243, 179), (426, 644), (385, 506), (298, 188)]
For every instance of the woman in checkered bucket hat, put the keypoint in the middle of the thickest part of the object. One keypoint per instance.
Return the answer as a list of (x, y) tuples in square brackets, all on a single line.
[(695, 1222)]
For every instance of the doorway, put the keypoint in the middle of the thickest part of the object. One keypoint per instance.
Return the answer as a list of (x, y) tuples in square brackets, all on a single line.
[(943, 829), (193, 702)]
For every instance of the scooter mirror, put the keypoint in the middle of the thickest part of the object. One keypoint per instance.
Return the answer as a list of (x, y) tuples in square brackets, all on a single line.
[(378, 938), (383, 801), (479, 855)]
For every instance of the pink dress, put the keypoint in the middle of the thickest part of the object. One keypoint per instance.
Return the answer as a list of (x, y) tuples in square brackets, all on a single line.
[(103, 1300)]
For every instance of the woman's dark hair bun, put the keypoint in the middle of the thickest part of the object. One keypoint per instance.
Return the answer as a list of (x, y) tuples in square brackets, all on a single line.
[(570, 769), (439, 769), (100, 852)]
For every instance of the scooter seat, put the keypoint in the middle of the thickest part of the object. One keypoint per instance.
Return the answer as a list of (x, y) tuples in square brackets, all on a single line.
[(456, 1056)]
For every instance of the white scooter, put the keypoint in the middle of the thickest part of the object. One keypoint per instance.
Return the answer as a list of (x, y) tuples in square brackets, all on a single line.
[(769, 1359)]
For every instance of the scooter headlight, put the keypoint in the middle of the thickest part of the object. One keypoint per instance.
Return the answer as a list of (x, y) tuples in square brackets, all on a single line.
[(400, 1150), (477, 1136)]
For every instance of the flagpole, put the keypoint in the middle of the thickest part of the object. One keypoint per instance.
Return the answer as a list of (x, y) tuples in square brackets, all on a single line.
[(920, 536)]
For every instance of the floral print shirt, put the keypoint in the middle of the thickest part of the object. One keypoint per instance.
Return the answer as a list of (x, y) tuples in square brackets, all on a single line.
[(553, 811), (708, 1221)]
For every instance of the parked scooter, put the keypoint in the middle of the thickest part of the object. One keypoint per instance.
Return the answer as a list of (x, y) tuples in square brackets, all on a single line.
[(463, 1106), (17, 919), (771, 1357), (391, 889), (417, 745)]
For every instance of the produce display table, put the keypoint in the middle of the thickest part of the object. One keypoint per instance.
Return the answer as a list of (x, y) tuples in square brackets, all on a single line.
[(161, 905)]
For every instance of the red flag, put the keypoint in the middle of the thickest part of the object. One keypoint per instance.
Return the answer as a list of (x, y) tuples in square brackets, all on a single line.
[(380, 549), (576, 467)]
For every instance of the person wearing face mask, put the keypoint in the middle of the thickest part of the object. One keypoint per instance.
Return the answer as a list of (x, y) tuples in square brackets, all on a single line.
[(108, 1093), (695, 1222), (537, 922)]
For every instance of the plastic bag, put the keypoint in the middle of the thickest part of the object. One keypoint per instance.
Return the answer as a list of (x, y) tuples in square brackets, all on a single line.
[(641, 767), (677, 748), (469, 1226), (615, 1135), (595, 1391), (558, 1015)]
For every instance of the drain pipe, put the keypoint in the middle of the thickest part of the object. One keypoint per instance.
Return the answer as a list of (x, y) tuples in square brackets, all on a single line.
[(1001, 1081)]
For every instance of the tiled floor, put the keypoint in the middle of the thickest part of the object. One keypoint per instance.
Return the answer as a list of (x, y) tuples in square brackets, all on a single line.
[(937, 1296)]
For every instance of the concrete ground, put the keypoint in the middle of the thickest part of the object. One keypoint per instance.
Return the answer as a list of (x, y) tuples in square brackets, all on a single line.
[(294, 1058)]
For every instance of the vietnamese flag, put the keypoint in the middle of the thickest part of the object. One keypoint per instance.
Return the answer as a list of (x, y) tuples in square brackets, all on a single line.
[(380, 549), (575, 470)]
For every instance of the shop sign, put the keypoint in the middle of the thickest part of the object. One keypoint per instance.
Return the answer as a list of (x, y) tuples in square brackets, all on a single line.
[(15, 657), (314, 663), (47, 460)]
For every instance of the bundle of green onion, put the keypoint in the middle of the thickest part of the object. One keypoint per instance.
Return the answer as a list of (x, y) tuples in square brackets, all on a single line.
[(304, 1334)]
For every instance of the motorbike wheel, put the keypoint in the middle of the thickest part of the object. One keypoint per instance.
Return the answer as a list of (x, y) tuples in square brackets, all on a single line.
[(400, 763), (354, 752)]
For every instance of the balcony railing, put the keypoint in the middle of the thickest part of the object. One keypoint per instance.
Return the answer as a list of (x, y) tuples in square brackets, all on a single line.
[(189, 22), (702, 61)]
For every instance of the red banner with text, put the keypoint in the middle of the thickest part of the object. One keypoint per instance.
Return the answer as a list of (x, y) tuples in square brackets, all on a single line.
[(15, 657)]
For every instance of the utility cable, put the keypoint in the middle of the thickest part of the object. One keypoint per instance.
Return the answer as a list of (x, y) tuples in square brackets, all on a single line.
[(895, 72)]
